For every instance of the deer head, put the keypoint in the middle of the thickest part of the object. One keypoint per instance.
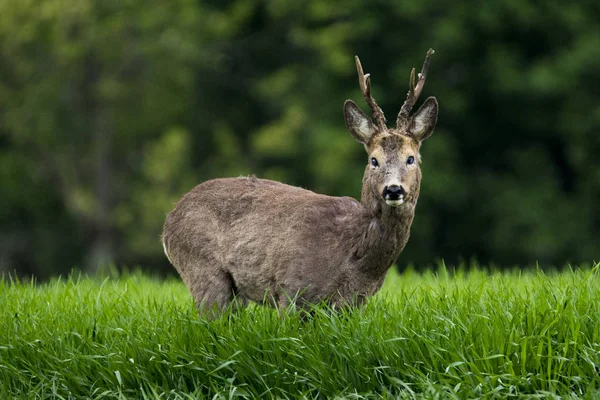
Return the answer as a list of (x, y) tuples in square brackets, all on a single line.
[(392, 176)]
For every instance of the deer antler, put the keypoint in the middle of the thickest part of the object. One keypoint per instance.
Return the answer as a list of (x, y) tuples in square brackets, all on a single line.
[(413, 91), (365, 86)]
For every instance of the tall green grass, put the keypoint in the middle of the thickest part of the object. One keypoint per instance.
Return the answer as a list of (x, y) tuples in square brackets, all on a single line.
[(446, 335)]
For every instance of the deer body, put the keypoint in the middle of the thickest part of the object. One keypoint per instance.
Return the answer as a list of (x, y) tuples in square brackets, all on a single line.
[(256, 239)]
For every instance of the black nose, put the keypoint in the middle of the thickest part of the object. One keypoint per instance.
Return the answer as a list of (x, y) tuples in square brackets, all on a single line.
[(393, 192)]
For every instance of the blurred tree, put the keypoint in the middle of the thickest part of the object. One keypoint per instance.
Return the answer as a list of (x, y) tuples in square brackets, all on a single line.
[(83, 85)]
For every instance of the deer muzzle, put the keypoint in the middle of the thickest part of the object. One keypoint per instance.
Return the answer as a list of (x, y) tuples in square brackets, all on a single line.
[(394, 195)]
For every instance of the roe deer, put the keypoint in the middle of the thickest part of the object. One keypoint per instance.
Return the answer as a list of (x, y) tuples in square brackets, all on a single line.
[(255, 239)]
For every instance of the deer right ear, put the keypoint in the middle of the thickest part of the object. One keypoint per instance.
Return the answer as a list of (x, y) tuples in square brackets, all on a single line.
[(359, 125)]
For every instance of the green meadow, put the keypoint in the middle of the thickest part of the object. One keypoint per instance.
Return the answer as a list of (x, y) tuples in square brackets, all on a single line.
[(445, 334)]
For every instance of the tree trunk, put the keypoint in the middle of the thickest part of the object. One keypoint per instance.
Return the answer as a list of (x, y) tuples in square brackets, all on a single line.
[(101, 252)]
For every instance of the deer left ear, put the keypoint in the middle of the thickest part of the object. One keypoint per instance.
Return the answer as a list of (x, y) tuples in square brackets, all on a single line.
[(423, 121)]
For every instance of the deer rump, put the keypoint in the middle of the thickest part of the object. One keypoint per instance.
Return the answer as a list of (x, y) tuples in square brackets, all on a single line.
[(268, 241)]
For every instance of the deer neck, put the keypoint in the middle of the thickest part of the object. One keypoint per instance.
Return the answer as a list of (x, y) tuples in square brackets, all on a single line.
[(387, 233)]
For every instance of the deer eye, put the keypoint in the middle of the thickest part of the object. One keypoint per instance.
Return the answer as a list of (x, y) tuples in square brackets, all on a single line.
[(410, 160), (374, 162)]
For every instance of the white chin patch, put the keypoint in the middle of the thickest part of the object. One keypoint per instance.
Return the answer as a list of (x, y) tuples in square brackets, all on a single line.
[(394, 203)]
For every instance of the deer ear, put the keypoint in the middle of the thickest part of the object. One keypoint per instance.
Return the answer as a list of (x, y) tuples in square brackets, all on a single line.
[(359, 125), (423, 121)]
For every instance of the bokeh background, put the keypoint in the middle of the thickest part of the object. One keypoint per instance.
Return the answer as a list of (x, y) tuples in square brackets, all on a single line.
[(111, 110)]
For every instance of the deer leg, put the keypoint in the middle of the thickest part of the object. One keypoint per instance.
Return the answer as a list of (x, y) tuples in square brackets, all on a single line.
[(213, 290)]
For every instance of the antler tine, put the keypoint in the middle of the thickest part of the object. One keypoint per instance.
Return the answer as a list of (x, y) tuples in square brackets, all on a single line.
[(414, 91), (364, 81)]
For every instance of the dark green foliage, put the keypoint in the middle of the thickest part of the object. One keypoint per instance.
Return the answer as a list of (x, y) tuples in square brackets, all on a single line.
[(109, 111)]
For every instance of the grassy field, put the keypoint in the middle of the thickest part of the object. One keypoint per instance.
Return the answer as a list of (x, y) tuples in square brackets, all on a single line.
[(433, 335)]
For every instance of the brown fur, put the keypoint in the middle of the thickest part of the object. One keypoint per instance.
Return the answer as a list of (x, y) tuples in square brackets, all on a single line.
[(255, 239)]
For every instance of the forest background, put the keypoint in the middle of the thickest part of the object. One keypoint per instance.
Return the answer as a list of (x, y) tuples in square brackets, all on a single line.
[(111, 110)]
